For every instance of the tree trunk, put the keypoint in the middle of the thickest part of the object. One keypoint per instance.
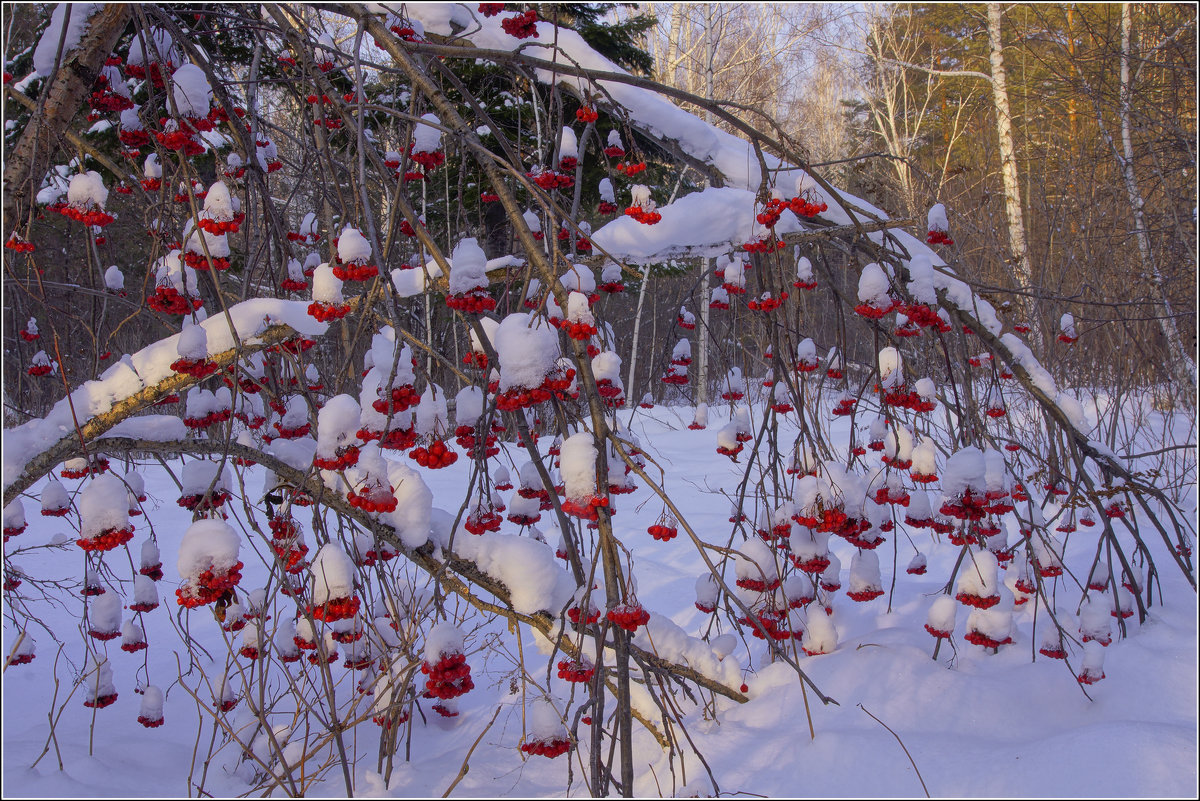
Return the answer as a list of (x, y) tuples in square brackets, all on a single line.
[(1182, 366), (1017, 243)]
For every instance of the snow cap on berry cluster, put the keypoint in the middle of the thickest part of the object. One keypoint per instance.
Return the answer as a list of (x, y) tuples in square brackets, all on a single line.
[(432, 417), (326, 287), (468, 406), (920, 279), (577, 461), (891, 368), (207, 545), (468, 267), (191, 91), (103, 506), (99, 678), (979, 574), (193, 341), (527, 351), (333, 574), (965, 470), (443, 639), (218, 203), (86, 190), (756, 562), (337, 422), (568, 144), (427, 138), (545, 724), (199, 474), (937, 218), (579, 278), (874, 286), (353, 247)]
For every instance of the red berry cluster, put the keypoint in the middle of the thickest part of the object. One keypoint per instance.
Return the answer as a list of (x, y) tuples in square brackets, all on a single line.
[(628, 616), (587, 114), (547, 748), (324, 312), (430, 160), (335, 609), (977, 601), (632, 168), (106, 540), (373, 499), (355, 272), (567, 163), (769, 245), (585, 508), (180, 140), (436, 456), (614, 152), (449, 677), (938, 238), (549, 179), (579, 331), (979, 638), (873, 312), (208, 587), (521, 26), (168, 301), (197, 261), (477, 360), (574, 670), (101, 701), (304, 239), (767, 303), (490, 9), (217, 227), (612, 287), (402, 398), (150, 723), (483, 520), (574, 616), (662, 531), (862, 596), (197, 368), (488, 197), (475, 301), (87, 217), (19, 244), (643, 216), (346, 456)]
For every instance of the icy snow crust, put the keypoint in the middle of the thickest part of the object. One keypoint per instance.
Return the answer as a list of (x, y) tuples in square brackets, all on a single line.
[(147, 367)]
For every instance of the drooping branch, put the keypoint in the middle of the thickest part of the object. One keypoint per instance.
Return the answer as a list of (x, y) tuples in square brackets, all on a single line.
[(456, 573)]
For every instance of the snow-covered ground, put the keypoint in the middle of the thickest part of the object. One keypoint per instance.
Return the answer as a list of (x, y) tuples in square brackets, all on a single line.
[(974, 723)]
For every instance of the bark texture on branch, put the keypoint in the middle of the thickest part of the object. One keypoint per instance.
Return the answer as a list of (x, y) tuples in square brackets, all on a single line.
[(64, 94)]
